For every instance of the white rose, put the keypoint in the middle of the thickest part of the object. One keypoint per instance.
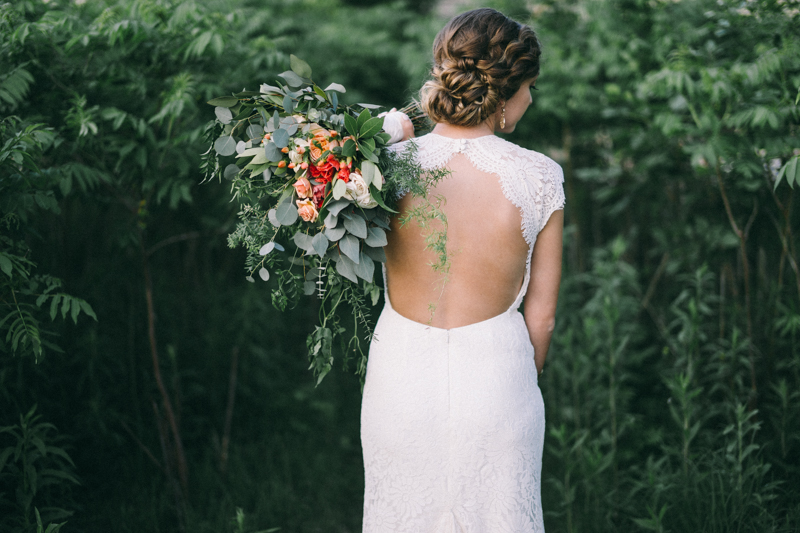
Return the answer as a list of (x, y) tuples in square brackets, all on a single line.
[(356, 187), (366, 201), (295, 158)]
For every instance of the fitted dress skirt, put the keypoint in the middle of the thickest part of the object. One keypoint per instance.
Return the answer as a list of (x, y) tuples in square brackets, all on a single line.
[(452, 428)]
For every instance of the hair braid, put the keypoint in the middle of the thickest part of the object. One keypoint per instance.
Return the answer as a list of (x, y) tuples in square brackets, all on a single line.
[(480, 58)]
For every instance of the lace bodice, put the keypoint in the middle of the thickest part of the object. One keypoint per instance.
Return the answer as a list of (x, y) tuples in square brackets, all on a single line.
[(531, 181)]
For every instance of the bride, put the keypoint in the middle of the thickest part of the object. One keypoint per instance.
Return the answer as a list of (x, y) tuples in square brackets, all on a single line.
[(452, 420)]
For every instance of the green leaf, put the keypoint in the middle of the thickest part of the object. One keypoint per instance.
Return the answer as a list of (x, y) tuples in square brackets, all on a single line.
[(368, 171), (292, 79), (347, 268), (349, 246), (376, 195), (349, 148), (363, 117), (336, 87), (65, 305), (288, 104), (224, 101), (224, 114), (376, 254), (351, 124), (54, 306), (791, 171), (255, 131), (281, 138), (225, 145), (231, 171), (357, 226), (272, 152), (6, 265), (370, 127), (339, 188), (286, 213), (300, 67), (75, 310), (88, 310), (376, 237), (365, 268), (320, 244), (303, 241), (334, 234)]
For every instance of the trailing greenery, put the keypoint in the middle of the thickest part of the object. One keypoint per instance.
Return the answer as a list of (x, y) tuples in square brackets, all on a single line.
[(672, 386)]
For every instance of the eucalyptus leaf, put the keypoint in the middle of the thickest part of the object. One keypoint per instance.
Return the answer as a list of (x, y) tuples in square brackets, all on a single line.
[(368, 171), (334, 234), (292, 79), (346, 267), (264, 273), (224, 101), (267, 248), (280, 138), (286, 213), (241, 146), (309, 287), (376, 237), (365, 268), (376, 254), (267, 89), (231, 171), (223, 114), (339, 188), (336, 207), (273, 219), (255, 131), (225, 145), (357, 226), (250, 279), (272, 152), (303, 241), (370, 106), (288, 104), (320, 244), (331, 220), (300, 67), (336, 87), (266, 175), (349, 247)]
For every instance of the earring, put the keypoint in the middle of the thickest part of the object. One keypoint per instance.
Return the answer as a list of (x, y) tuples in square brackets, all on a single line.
[(503, 118)]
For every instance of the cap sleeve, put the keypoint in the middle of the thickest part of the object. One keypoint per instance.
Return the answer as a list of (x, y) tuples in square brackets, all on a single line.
[(553, 197)]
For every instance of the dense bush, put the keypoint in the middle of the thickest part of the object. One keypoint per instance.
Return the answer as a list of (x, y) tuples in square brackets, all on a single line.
[(672, 383)]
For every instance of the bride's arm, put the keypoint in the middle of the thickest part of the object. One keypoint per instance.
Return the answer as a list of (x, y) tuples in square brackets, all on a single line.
[(540, 300)]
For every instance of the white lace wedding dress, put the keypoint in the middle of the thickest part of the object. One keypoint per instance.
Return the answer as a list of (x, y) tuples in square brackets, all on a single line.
[(452, 421)]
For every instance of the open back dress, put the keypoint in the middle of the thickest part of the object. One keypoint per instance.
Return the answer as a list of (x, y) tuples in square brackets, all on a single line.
[(452, 420)]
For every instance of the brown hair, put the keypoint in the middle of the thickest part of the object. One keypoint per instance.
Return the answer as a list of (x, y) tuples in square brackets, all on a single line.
[(480, 58)]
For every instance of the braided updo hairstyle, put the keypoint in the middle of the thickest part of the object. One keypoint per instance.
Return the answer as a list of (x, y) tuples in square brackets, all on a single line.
[(480, 58)]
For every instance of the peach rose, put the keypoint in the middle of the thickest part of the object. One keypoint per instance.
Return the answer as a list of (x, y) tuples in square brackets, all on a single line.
[(307, 211), (321, 142), (302, 187)]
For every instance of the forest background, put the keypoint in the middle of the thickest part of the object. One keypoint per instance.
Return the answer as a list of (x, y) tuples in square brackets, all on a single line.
[(146, 386)]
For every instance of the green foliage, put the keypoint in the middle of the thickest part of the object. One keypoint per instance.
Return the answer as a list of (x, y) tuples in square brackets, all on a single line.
[(37, 472)]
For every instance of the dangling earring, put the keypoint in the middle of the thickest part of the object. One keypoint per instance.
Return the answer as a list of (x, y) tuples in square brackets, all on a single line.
[(503, 118)]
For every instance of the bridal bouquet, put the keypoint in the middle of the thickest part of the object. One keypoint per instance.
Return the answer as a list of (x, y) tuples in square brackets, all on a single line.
[(318, 187)]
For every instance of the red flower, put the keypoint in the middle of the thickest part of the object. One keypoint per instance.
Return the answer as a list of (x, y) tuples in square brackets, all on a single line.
[(344, 173), (324, 172), (318, 192)]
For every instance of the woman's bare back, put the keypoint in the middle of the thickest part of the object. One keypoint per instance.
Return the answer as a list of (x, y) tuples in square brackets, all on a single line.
[(486, 250)]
